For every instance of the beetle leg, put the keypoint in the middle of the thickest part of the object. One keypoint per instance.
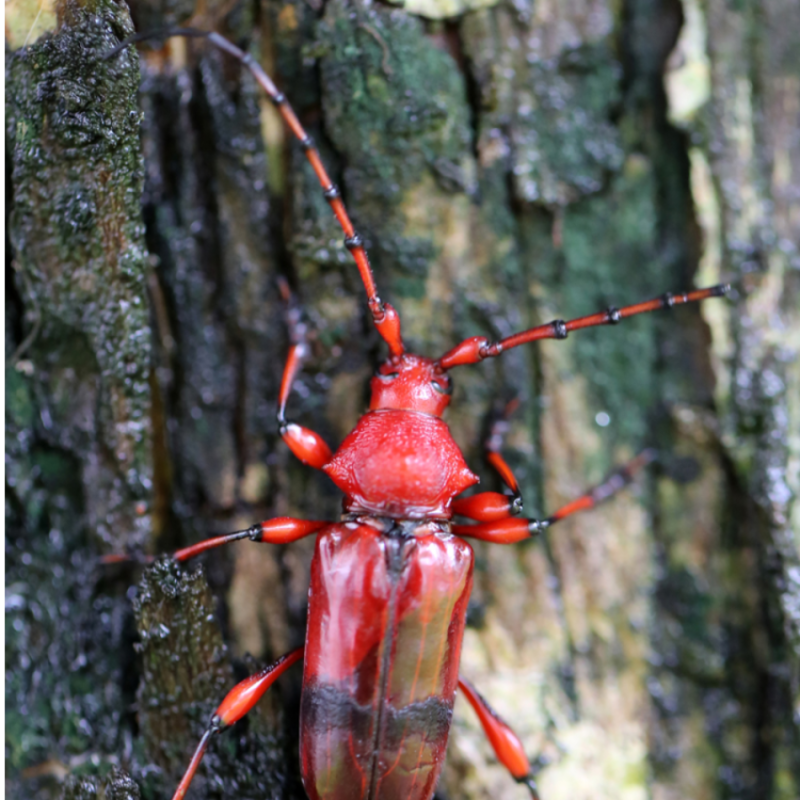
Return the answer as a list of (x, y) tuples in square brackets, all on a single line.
[(487, 507), (307, 445), (510, 530), (505, 743), (494, 445), (615, 482), (502, 531), (493, 506), (238, 702), (280, 530)]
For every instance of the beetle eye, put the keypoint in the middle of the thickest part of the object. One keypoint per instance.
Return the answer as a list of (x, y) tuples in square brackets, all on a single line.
[(446, 389)]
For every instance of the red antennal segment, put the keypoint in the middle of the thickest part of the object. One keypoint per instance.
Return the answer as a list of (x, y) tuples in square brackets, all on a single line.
[(385, 318), (475, 349)]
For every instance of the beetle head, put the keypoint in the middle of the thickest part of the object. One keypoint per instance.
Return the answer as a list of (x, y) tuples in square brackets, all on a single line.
[(411, 383)]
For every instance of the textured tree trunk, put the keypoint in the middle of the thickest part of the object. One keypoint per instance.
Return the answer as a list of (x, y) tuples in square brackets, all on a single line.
[(506, 165)]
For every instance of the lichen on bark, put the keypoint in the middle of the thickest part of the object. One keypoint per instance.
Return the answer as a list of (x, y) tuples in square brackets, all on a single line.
[(79, 469), (78, 245)]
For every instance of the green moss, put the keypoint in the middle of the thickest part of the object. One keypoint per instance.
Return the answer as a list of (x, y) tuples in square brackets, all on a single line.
[(609, 259), (557, 110), (19, 407), (395, 110)]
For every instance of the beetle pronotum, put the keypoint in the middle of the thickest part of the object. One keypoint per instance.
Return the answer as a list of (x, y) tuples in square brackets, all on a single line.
[(391, 580)]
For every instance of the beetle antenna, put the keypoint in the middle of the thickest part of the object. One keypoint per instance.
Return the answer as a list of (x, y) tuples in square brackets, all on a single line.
[(475, 349), (384, 316)]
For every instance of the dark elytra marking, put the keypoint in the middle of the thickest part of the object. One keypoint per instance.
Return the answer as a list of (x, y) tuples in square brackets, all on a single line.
[(328, 705)]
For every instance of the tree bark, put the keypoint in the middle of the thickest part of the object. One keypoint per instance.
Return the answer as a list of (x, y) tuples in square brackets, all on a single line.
[(506, 165)]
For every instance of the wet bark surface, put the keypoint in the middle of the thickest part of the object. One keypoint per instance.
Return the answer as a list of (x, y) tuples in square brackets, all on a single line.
[(507, 166)]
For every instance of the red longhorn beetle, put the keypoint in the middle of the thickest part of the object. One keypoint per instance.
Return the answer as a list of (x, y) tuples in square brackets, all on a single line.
[(391, 580)]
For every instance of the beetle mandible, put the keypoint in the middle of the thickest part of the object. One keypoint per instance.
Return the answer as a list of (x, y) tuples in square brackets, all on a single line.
[(391, 580)]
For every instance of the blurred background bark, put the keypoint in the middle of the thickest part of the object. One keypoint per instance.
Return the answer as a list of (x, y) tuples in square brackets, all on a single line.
[(508, 163)]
